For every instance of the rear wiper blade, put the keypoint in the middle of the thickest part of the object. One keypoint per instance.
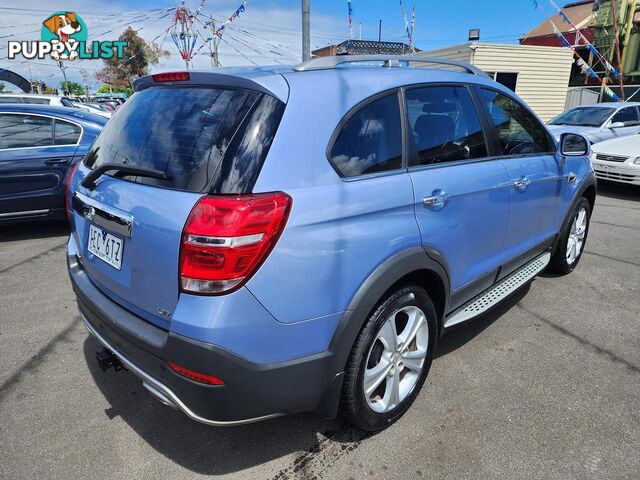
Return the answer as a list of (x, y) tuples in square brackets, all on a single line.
[(90, 180)]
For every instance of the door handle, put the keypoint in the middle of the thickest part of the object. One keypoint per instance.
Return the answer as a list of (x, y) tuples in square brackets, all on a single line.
[(521, 184), (56, 161), (436, 201)]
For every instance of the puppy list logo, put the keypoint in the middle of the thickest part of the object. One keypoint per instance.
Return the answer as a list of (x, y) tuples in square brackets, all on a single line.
[(64, 36)]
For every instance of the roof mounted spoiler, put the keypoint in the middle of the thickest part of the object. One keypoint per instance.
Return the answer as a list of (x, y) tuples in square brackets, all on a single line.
[(389, 61)]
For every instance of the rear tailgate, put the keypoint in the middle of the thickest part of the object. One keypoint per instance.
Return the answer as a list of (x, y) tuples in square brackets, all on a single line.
[(128, 228), (146, 282)]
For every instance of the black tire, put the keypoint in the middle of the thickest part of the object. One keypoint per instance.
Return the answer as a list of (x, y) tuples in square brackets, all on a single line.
[(559, 263), (354, 403)]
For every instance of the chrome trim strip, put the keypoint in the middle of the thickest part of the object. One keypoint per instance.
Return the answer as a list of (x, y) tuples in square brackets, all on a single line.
[(225, 241), (102, 215), (25, 212), (162, 392)]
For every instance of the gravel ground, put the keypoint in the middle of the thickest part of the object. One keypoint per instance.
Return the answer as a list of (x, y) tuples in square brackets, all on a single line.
[(547, 385)]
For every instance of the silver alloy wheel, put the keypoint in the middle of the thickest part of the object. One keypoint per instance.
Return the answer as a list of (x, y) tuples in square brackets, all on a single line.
[(576, 236), (396, 359)]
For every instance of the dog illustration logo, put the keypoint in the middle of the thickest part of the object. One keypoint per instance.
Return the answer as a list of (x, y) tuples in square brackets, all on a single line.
[(68, 29), (64, 36)]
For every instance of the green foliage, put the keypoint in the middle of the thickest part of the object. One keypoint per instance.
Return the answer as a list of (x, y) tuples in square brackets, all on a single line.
[(72, 88), (115, 89), (138, 55), (2, 85)]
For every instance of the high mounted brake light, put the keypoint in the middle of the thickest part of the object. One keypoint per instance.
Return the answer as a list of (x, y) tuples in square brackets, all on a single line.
[(226, 239), (171, 77)]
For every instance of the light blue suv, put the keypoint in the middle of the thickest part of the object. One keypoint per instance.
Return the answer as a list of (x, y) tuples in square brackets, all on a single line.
[(266, 241)]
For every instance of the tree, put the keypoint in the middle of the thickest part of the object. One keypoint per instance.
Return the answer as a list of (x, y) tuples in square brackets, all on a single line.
[(72, 88), (138, 55), (2, 87), (115, 89)]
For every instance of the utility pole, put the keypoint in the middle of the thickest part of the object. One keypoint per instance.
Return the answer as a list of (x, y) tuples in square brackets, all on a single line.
[(306, 40), (64, 74), (616, 39), (380, 36), (213, 46)]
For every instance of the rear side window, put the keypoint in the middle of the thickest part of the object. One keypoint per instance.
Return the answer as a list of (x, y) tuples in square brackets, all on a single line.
[(37, 101), (519, 132), (370, 141), (445, 125), (66, 133), (5, 99), (23, 131), (628, 116), (205, 139)]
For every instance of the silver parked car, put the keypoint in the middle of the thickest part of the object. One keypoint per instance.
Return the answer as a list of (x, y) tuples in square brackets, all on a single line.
[(598, 122)]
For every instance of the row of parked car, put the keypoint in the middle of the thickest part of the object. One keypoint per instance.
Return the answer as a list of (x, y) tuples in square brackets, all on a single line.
[(612, 129), (103, 106), (42, 139)]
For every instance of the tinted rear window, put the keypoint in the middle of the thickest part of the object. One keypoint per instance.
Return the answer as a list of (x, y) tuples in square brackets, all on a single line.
[(37, 101), (204, 139), (4, 99)]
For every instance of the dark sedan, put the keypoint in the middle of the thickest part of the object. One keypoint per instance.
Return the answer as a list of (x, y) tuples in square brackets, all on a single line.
[(39, 146)]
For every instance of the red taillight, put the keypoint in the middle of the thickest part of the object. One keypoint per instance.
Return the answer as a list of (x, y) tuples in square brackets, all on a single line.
[(67, 205), (226, 238), (171, 77), (198, 377)]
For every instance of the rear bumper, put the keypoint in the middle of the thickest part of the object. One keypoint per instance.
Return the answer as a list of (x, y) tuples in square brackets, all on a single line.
[(252, 392)]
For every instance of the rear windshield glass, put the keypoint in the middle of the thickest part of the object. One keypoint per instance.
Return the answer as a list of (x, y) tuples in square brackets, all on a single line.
[(204, 139)]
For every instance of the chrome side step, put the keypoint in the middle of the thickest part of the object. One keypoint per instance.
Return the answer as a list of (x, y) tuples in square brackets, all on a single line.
[(501, 290)]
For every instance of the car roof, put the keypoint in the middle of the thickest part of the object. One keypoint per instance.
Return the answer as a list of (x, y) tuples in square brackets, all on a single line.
[(609, 105), (278, 80), (72, 114), (30, 95)]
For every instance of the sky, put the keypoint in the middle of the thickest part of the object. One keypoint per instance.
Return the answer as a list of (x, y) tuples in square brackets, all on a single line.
[(268, 32)]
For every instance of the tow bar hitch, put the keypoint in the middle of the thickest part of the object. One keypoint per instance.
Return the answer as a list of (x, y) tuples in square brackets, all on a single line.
[(106, 360)]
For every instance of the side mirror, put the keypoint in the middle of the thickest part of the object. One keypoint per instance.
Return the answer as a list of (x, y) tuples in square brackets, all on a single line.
[(617, 125), (574, 145)]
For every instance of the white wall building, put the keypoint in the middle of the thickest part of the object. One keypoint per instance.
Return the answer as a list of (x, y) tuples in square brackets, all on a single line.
[(539, 75)]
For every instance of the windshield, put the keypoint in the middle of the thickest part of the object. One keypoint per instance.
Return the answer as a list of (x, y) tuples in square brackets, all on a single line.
[(203, 139), (583, 117)]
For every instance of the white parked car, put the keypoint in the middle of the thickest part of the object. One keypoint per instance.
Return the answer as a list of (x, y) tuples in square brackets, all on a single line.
[(598, 122), (91, 109), (36, 99), (618, 160)]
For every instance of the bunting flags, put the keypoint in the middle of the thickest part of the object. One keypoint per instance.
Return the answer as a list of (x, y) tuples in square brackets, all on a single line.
[(406, 23), (587, 43), (413, 24), (233, 16), (350, 21), (584, 67)]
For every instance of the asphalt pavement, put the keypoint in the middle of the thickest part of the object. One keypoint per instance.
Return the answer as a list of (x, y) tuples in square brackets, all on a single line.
[(547, 385)]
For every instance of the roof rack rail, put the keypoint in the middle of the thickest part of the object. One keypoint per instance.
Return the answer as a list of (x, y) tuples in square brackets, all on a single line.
[(389, 61)]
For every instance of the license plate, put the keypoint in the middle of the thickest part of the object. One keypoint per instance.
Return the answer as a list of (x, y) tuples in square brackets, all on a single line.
[(105, 246)]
